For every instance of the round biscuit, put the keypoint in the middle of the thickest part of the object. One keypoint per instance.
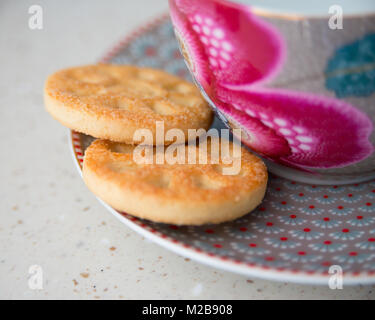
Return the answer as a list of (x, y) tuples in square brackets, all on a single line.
[(180, 194), (113, 101)]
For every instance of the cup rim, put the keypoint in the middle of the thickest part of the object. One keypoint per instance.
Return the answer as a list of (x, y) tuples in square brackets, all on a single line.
[(264, 12), (276, 13)]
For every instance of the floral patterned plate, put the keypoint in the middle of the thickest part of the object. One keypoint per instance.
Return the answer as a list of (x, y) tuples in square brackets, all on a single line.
[(295, 235)]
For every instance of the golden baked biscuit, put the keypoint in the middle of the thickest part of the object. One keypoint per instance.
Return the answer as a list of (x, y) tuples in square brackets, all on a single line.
[(181, 194), (113, 101)]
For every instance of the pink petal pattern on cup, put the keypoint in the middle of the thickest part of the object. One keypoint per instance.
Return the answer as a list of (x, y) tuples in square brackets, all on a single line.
[(256, 132), (234, 53), (191, 47), (306, 122), (217, 40)]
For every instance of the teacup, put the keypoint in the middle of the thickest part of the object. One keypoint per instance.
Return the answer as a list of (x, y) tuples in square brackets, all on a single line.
[(298, 79)]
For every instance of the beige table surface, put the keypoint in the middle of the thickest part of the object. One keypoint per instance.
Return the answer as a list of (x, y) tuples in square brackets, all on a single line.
[(47, 216)]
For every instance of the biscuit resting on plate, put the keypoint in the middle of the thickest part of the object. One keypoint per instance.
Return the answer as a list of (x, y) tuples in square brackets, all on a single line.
[(181, 194), (113, 101)]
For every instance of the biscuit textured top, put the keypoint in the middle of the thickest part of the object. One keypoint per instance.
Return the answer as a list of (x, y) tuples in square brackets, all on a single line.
[(180, 192), (92, 99)]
